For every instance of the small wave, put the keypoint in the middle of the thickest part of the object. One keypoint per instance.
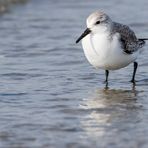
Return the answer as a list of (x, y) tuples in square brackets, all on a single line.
[(13, 94)]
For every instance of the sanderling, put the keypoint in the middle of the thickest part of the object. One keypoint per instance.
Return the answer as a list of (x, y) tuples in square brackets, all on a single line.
[(110, 45)]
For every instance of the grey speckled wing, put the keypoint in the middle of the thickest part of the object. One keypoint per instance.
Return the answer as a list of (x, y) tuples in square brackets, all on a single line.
[(128, 39)]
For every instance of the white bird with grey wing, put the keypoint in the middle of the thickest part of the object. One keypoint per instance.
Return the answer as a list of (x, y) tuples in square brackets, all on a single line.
[(109, 45)]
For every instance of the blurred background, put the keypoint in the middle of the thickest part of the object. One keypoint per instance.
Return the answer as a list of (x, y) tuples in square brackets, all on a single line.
[(50, 97)]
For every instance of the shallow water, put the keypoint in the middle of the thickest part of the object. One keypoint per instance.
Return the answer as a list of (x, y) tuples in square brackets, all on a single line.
[(49, 94)]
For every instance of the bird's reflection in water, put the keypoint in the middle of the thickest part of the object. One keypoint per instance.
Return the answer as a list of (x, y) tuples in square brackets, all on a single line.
[(109, 111)]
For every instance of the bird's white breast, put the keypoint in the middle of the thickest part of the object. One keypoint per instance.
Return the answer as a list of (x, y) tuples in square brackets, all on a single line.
[(105, 52)]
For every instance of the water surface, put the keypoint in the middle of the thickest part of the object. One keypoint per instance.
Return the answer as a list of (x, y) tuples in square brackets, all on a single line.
[(49, 94)]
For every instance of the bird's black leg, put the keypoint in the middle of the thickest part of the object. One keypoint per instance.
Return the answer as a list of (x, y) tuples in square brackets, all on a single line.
[(106, 74), (134, 72)]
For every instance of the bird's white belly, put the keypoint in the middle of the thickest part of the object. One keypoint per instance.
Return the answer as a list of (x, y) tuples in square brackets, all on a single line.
[(105, 53)]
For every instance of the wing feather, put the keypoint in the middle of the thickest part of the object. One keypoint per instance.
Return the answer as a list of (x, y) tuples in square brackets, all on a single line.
[(128, 39)]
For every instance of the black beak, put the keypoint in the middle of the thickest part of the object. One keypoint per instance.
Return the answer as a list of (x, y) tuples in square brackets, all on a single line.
[(85, 33)]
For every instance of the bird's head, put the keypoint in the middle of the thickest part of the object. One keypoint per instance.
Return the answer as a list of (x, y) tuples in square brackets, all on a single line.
[(97, 22)]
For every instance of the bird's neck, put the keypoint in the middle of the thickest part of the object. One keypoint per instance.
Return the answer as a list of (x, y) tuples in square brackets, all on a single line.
[(102, 30)]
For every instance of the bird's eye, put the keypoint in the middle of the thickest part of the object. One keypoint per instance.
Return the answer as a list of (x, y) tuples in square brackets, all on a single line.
[(98, 22)]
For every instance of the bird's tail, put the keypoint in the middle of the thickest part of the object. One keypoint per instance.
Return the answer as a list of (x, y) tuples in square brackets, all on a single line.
[(143, 39), (141, 42)]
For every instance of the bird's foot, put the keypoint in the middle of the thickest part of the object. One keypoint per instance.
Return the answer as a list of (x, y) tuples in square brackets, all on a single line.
[(133, 81), (105, 82), (106, 85)]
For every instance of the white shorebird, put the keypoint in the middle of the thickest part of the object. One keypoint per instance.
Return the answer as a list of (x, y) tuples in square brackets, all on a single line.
[(109, 45)]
